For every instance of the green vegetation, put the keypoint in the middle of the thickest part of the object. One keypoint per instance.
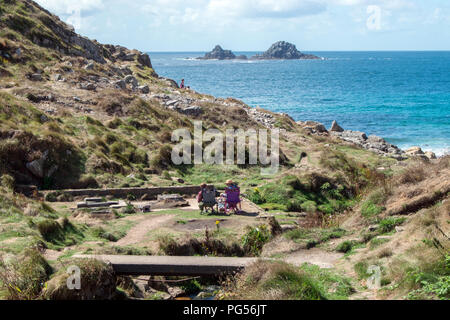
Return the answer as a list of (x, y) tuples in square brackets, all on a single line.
[(277, 280), (373, 205), (255, 238), (23, 278), (310, 193), (314, 237), (335, 286), (387, 225)]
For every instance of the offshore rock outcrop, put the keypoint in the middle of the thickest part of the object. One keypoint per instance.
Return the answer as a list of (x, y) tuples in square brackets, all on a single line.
[(283, 50), (220, 54)]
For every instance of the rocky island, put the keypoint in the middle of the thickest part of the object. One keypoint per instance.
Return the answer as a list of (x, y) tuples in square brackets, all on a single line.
[(280, 50), (283, 50), (220, 54)]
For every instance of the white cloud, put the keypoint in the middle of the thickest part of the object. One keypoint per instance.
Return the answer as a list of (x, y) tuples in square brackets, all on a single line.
[(65, 7)]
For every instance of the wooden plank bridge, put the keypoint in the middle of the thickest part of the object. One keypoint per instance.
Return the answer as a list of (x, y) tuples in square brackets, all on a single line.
[(171, 265)]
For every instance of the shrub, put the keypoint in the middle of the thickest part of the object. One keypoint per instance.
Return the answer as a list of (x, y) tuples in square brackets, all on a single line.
[(50, 230), (345, 246), (389, 224), (255, 238), (23, 278), (97, 278), (413, 174), (99, 232), (294, 206), (309, 206), (370, 209), (163, 158)]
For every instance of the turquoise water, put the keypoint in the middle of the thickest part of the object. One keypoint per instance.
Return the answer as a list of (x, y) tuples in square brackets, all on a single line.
[(403, 97)]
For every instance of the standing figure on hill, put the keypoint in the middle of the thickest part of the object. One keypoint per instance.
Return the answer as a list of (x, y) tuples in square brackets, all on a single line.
[(182, 86)]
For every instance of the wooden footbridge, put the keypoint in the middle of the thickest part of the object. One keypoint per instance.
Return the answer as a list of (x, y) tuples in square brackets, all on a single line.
[(172, 266)]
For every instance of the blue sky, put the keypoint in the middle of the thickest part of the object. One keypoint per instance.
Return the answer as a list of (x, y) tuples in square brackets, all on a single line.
[(253, 25)]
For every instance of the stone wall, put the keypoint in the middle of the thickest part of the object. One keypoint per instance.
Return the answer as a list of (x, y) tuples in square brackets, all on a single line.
[(151, 193)]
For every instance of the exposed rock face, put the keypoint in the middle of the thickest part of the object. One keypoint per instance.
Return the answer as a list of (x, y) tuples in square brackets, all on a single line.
[(219, 54), (284, 50), (414, 151), (61, 37), (430, 155), (335, 127), (36, 167), (313, 127)]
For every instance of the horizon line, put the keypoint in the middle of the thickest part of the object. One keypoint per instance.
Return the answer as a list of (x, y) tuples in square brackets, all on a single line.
[(402, 50)]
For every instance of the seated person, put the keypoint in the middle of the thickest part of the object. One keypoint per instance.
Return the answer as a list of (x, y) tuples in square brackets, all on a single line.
[(233, 196), (206, 198)]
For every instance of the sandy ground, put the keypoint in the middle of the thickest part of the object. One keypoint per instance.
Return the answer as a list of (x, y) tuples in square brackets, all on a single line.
[(139, 232)]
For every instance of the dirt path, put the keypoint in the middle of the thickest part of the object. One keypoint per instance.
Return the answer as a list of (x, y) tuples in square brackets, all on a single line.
[(138, 233), (316, 256)]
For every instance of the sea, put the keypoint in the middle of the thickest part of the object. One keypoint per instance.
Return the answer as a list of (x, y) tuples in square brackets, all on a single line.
[(403, 97)]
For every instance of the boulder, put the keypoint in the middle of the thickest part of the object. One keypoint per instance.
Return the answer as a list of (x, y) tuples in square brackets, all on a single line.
[(36, 77), (315, 126), (414, 151), (355, 135), (88, 86), (335, 127), (120, 84), (131, 80), (430, 155), (36, 167), (144, 89), (192, 111), (144, 59)]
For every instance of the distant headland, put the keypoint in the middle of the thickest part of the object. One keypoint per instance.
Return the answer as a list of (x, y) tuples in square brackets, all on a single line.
[(280, 50)]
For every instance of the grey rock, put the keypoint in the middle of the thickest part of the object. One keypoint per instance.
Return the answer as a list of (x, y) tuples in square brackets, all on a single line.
[(88, 86), (144, 59), (131, 80), (120, 84), (192, 111), (218, 54), (89, 66), (36, 167), (414, 151), (36, 77), (284, 50), (144, 89), (44, 118), (335, 127), (430, 155)]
